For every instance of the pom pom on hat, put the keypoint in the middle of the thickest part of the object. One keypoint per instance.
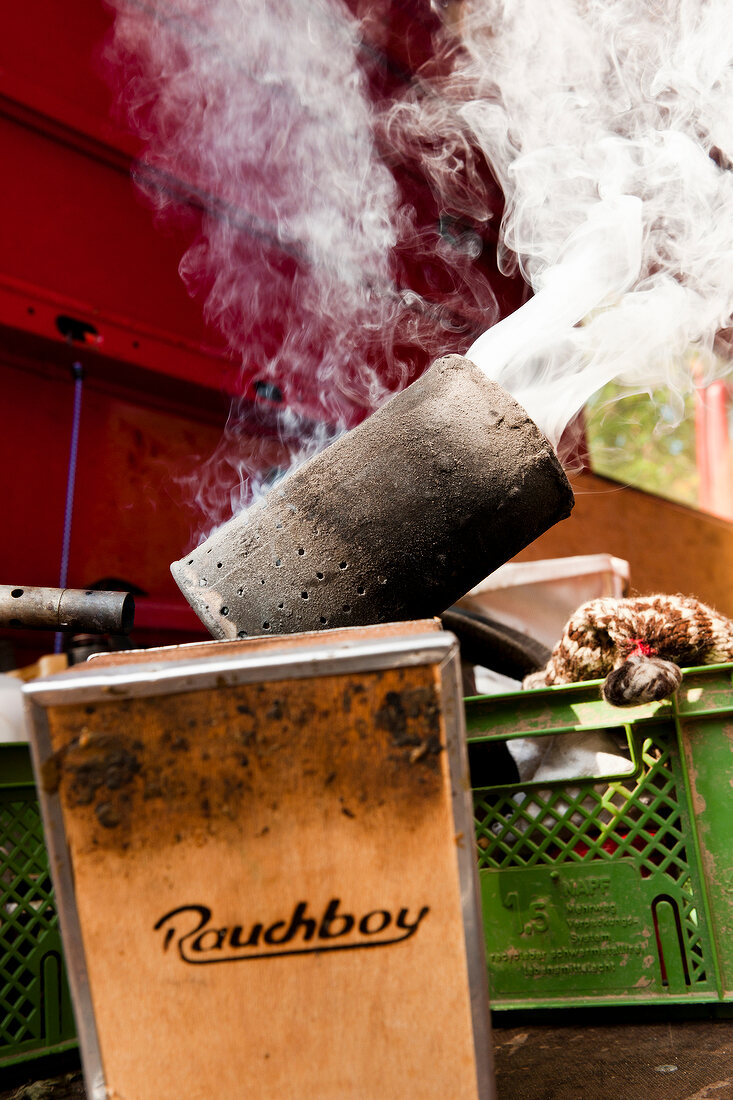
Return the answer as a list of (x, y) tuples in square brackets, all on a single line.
[(638, 644), (641, 679)]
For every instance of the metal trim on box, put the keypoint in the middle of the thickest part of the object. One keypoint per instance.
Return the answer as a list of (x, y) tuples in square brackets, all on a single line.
[(63, 880), (457, 748), (88, 684)]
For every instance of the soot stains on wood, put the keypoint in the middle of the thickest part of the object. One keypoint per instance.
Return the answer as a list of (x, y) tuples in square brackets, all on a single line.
[(99, 765), (222, 758), (412, 717)]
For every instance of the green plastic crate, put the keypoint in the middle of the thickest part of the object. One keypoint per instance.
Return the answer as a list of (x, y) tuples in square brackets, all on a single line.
[(616, 891), (36, 1016)]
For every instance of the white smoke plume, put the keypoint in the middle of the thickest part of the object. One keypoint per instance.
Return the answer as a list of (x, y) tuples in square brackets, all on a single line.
[(258, 133), (255, 114), (609, 127)]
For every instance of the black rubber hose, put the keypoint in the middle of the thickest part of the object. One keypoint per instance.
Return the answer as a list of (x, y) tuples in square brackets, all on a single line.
[(494, 645), (498, 647)]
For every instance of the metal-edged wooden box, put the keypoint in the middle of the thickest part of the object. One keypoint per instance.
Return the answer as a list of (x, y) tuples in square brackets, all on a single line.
[(264, 865)]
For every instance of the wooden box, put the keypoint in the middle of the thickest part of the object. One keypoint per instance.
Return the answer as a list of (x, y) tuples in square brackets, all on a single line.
[(264, 864)]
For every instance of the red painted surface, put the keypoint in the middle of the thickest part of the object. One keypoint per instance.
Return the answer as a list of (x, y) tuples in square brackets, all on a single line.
[(713, 449), (75, 239)]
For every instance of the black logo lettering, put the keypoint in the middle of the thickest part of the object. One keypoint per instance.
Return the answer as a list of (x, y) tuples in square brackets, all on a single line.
[(297, 921), (235, 936), (403, 922), (331, 917), (200, 941), (369, 927)]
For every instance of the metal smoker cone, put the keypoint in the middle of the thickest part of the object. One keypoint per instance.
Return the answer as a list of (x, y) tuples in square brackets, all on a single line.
[(395, 520)]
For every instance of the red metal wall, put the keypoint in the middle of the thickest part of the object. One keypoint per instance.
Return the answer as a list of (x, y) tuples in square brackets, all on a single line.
[(76, 240)]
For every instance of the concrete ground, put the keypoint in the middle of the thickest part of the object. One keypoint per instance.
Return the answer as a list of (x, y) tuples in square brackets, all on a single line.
[(617, 1060), (665, 1060)]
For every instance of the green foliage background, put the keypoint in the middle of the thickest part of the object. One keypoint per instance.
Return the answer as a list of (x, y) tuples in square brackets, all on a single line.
[(645, 441)]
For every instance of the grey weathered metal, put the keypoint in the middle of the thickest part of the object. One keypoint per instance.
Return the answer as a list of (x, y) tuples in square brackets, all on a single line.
[(395, 520)]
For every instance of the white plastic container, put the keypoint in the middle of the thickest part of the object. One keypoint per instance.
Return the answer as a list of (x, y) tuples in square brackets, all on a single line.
[(12, 713), (538, 597)]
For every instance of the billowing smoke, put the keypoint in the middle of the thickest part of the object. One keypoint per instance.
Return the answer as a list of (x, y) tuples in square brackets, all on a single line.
[(609, 127), (255, 113), (260, 135)]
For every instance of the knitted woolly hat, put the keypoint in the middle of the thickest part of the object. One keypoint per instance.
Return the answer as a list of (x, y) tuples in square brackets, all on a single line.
[(638, 644)]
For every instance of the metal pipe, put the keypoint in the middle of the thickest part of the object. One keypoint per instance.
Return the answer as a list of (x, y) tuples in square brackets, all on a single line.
[(395, 520), (75, 610)]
